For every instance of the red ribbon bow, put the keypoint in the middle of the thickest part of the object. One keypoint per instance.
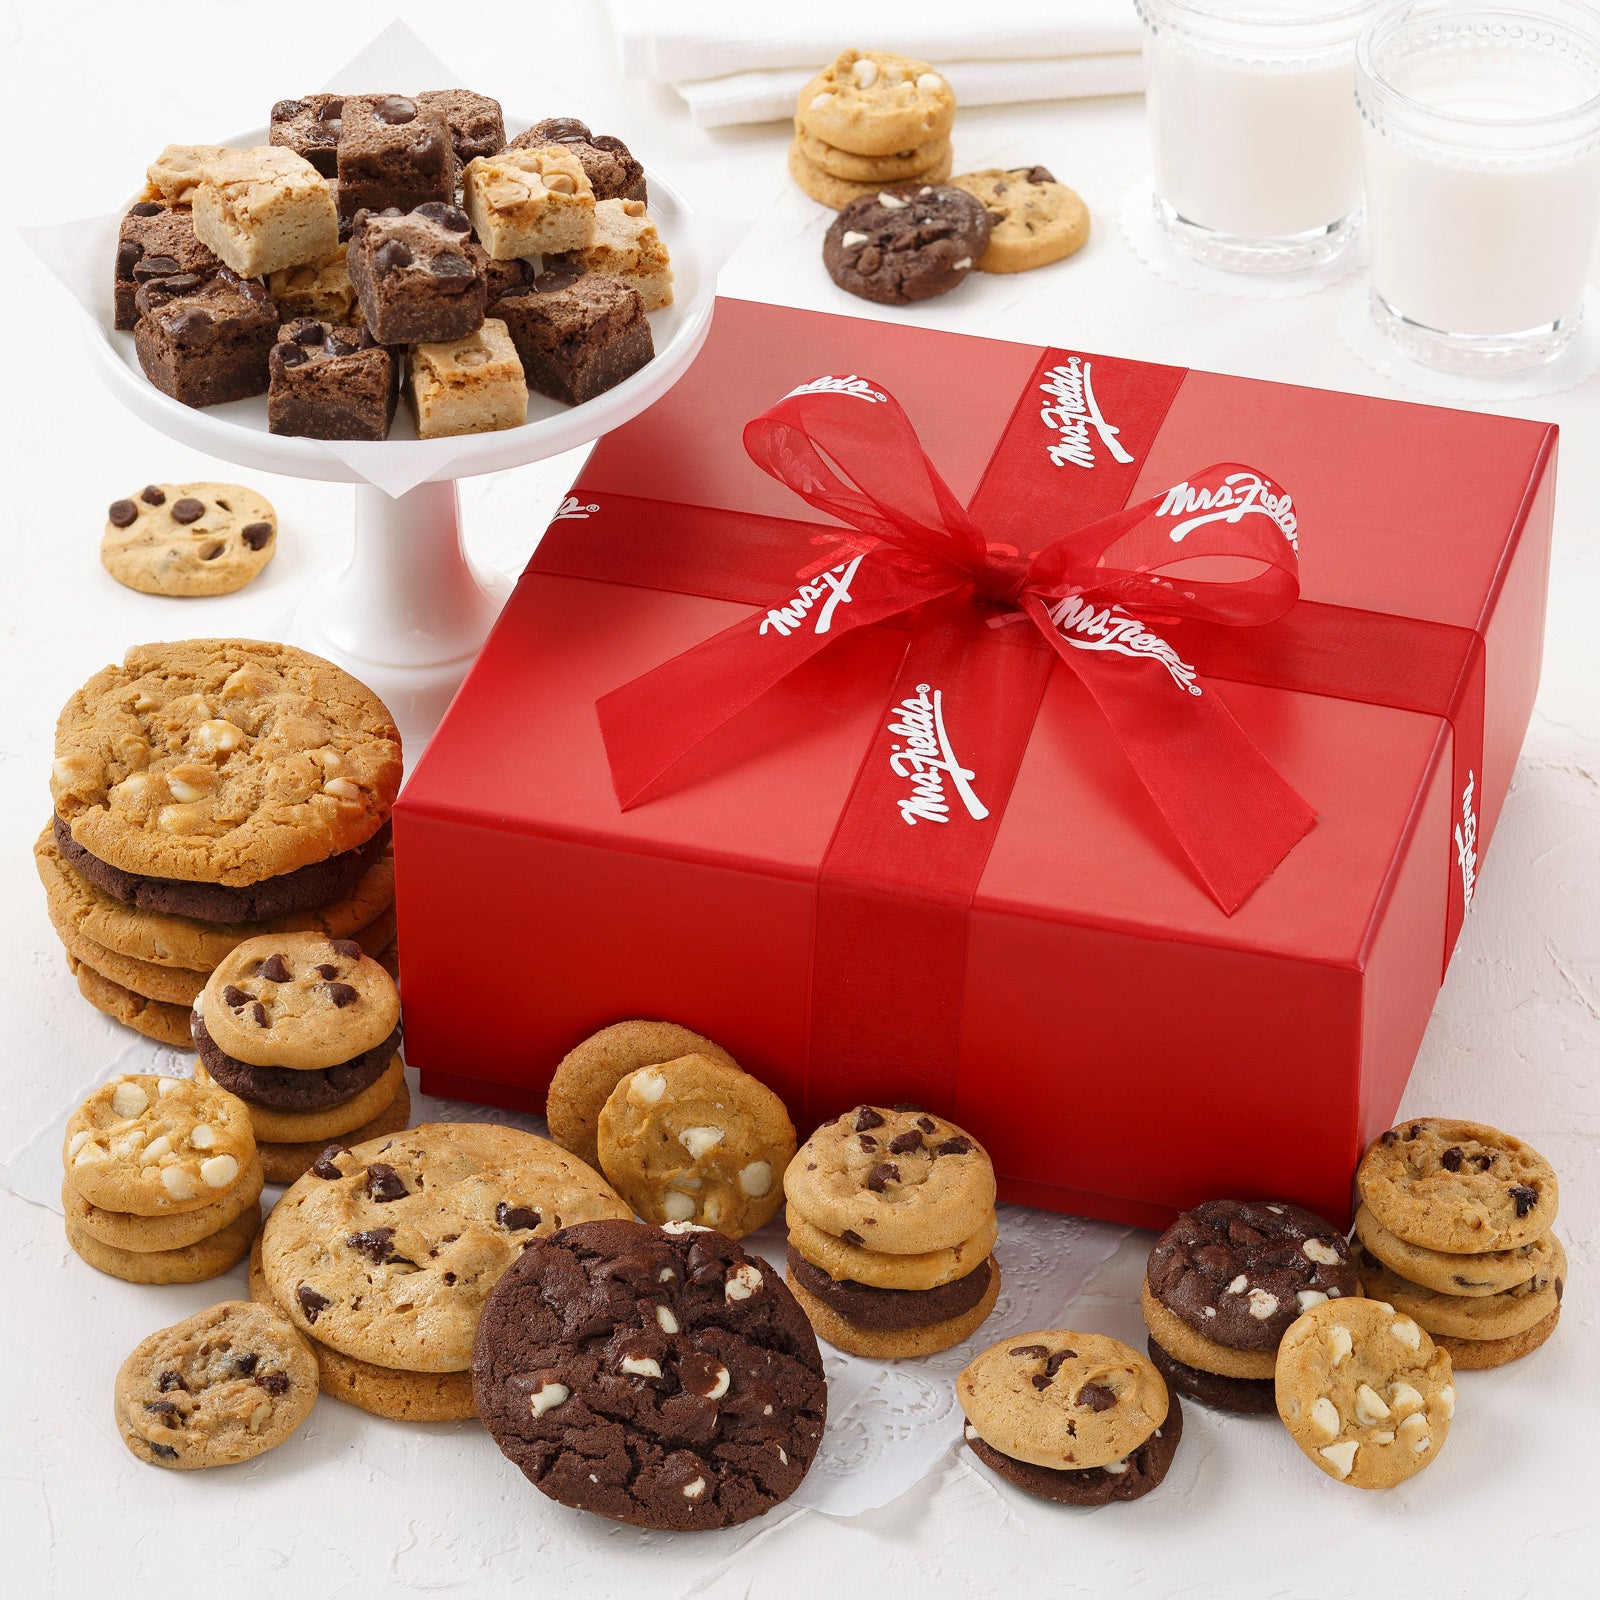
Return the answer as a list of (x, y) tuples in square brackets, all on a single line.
[(1109, 598)]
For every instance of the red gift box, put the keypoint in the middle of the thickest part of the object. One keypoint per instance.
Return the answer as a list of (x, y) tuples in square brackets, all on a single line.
[(1122, 1046)]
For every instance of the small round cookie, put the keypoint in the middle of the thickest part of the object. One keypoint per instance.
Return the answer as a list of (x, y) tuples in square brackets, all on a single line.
[(899, 1179), (155, 1019), (889, 1310), (188, 539), (905, 242), (836, 193), (1240, 1271), (1478, 1355), (656, 1376), (590, 1071), (1134, 1476), (894, 1344), (387, 1251), (215, 1389), (847, 1259), (379, 1391), (1177, 1338), (155, 1145), (876, 103), (173, 986), (223, 761), (301, 1002), (194, 1263), (126, 1230), (899, 167), (695, 1140), (1492, 1272), (1458, 1187), (286, 1162), (1036, 220), (1059, 1398), (1493, 1316), (334, 1122), (1245, 1397), (1363, 1392)]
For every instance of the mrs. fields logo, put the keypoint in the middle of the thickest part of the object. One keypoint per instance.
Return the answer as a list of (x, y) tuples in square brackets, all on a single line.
[(1239, 495), (928, 761), (850, 385), (1466, 838), (1075, 414), (572, 509), (832, 588)]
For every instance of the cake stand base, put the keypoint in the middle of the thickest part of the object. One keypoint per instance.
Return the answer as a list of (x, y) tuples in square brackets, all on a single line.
[(409, 612)]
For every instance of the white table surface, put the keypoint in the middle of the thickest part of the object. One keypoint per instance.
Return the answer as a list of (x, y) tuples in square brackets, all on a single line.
[(356, 1507)]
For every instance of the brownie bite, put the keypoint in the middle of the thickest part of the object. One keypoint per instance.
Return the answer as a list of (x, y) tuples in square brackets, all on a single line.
[(207, 346), (504, 276), (330, 382), (393, 152), (577, 334), (613, 171), (417, 274), (477, 127), (310, 127), (155, 241)]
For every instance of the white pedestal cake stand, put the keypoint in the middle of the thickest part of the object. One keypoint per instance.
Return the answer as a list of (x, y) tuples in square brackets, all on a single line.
[(409, 612)]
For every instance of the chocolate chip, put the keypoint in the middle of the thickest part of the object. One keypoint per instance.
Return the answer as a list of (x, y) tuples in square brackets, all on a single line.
[(128, 254), (373, 1244), (122, 513), (342, 995), (868, 259), (1414, 1131), (885, 1172), (961, 1145), (384, 1183), (554, 279), (152, 496), (347, 948), (256, 534), (333, 111), (293, 355), (906, 1106), (338, 347), (927, 1124), (165, 1451), (448, 1277), (259, 1012), (1391, 1137), (391, 255), (327, 970), (244, 1365), (324, 1166), (234, 997), (1042, 1380), (705, 1265), (866, 1141), (866, 1118), (1451, 1159), (161, 1408), (563, 130), (1524, 1198), (394, 109), (850, 1236), (284, 110), (1057, 1358), (448, 264), (168, 1381), (904, 1143), (147, 267), (311, 1303), (1031, 1351), (146, 208), (191, 321), (516, 1218), (451, 218), (274, 969), (305, 330), (1040, 175), (1482, 1161), (275, 1383), (1097, 1397)]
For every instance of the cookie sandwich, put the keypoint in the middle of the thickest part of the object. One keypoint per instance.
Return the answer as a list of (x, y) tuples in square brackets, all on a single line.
[(1454, 1229), (1221, 1288), (891, 1232)]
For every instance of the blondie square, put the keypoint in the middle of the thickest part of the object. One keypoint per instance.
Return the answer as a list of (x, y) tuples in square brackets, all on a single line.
[(578, 334), (418, 275), (477, 127), (472, 385), (324, 292), (330, 382), (155, 240), (626, 245), (174, 175), (529, 202), (265, 209), (207, 346), (393, 152), (310, 127), (615, 173)]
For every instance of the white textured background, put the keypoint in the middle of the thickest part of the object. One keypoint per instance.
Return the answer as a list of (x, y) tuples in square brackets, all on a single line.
[(354, 1507)]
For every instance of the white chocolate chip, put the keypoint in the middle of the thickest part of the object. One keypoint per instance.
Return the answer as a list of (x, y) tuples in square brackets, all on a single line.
[(756, 1179), (930, 82), (697, 1141), (1238, 1285), (1319, 1251), (689, 1185), (865, 73), (1342, 1456), (818, 101), (128, 1144), (129, 1099), (219, 1171), (1211, 1311), (642, 1366), (665, 1275), (1117, 1466), (743, 1282), (720, 1386), (177, 1182), (646, 1088), (1277, 1211), (1405, 1398), (217, 735), (1369, 1405), (342, 789), (547, 1397), (972, 1433), (664, 1317), (160, 1146), (961, 266), (1407, 1332), (851, 240), (783, 1455), (683, 1226), (199, 1009), (166, 1086), (90, 1153), (1306, 1298), (1414, 1430), (891, 202), (180, 819), (693, 1491), (77, 1142), (1325, 1415), (1262, 1304), (1385, 1437), (1447, 1399), (1340, 1343), (678, 1207), (186, 790), (204, 1136)]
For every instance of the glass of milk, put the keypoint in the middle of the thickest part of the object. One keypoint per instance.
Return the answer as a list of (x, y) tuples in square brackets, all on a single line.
[(1253, 121), (1481, 144)]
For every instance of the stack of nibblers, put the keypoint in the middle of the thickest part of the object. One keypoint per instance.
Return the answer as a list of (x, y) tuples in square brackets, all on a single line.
[(208, 791), (891, 1229), (305, 1030)]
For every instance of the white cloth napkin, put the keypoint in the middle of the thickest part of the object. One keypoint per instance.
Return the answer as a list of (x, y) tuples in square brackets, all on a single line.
[(734, 63)]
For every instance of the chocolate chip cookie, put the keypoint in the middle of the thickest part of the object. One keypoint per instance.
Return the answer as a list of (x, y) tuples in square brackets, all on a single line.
[(899, 167), (874, 103), (906, 242), (1484, 1316), (656, 1376), (188, 539), (1036, 220), (1487, 1272), (215, 1389), (285, 1161)]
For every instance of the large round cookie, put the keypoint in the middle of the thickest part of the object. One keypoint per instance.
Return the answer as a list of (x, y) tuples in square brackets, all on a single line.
[(657, 1376), (1240, 1271), (287, 1161), (1494, 1316), (1491, 1272), (155, 1019), (1178, 1339), (1459, 1187), (387, 1251), (126, 1230), (848, 1258), (828, 190), (1363, 1392), (224, 761), (1062, 1399), (299, 1001), (583, 1082), (193, 1263), (332, 1122), (695, 1140), (155, 1145), (215, 1389), (1036, 220), (188, 539), (901, 1343), (905, 242), (900, 1180), (875, 103), (899, 167)]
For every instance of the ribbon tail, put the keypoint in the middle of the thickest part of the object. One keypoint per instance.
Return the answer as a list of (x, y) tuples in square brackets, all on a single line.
[(1232, 813)]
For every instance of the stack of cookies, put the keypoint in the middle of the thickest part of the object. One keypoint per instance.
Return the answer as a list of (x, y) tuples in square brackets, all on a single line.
[(163, 1184), (891, 1228), (384, 1253), (1454, 1231), (305, 1030), (207, 791), (868, 119), (1222, 1287)]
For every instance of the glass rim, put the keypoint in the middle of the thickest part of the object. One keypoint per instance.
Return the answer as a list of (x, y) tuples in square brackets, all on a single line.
[(1245, 11)]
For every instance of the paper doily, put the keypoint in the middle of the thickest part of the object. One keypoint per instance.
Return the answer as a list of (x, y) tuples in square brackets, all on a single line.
[(1151, 243), (1577, 363)]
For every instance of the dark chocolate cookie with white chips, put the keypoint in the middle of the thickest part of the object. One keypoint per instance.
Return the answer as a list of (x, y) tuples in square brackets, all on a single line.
[(656, 1376), (1240, 1271), (906, 242)]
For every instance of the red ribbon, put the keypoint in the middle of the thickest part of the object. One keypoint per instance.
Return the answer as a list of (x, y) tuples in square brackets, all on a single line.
[(1219, 549)]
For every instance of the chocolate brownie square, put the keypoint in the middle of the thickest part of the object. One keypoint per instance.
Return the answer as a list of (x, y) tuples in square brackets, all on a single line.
[(477, 127), (310, 127), (330, 382), (502, 277), (207, 346), (613, 171), (418, 275), (155, 241), (393, 152), (578, 334)]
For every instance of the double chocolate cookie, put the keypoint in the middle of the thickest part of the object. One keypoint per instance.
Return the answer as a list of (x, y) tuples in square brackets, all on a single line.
[(906, 242)]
